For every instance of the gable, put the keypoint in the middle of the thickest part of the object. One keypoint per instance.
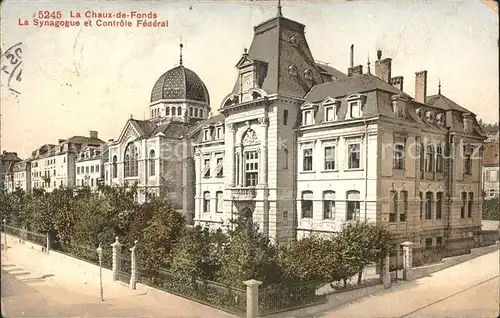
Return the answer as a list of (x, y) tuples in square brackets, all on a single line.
[(129, 131)]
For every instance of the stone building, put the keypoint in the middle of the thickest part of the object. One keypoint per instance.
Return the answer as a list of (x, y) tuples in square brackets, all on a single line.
[(7, 163), (490, 169), (155, 154), (90, 166), (54, 166), (21, 174), (300, 147)]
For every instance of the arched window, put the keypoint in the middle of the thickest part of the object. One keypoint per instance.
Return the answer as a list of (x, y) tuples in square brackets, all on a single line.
[(131, 161), (179, 111), (152, 165), (167, 111), (114, 173), (206, 202), (353, 205), (173, 111)]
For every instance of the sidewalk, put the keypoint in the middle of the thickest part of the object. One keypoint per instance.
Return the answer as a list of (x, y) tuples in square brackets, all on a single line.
[(37, 266)]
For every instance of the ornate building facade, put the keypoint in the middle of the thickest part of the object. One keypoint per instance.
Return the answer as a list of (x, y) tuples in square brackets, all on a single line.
[(300, 148), (155, 154)]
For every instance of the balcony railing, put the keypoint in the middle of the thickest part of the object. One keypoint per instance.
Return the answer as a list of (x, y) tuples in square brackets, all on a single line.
[(247, 193)]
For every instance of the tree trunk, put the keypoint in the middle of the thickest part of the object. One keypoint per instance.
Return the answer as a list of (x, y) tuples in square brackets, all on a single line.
[(360, 274)]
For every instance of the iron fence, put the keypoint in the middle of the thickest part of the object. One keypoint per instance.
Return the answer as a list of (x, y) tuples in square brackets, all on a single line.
[(226, 298), (427, 255), (124, 265), (86, 253), (26, 235), (284, 297)]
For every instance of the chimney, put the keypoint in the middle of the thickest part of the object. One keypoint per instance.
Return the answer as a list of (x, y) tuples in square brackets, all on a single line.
[(60, 141), (351, 64), (397, 82), (93, 134), (383, 67), (420, 86), (356, 70)]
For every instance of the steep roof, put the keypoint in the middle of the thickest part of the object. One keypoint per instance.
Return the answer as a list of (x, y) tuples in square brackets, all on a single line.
[(355, 84), (443, 102), (280, 43), (338, 75)]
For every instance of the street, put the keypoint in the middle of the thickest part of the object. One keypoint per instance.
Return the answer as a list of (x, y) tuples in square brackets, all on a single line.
[(469, 289)]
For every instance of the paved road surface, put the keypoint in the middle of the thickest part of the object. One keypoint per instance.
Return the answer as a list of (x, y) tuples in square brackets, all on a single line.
[(470, 289)]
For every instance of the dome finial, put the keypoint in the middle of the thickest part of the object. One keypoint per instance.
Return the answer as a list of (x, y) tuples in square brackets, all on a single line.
[(279, 13), (181, 46), (439, 87)]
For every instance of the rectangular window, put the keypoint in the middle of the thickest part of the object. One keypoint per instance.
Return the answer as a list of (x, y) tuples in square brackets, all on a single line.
[(354, 156), (354, 109), (439, 159), (307, 205), (206, 202), (251, 168), (404, 210), (329, 113), (206, 134), (308, 160), (428, 205), (328, 205), (421, 205), (219, 132), (196, 112), (464, 203), (307, 117), (206, 168), (330, 158), (220, 202), (353, 210), (77, 170), (393, 206), (471, 200), (86, 169), (219, 173), (439, 204), (285, 117), (439, 241), (92, 169), (399, 156), (493, 176), (285, 215), (467, 161), (429, 156), (91, 182), (97, 168), (428, 242)]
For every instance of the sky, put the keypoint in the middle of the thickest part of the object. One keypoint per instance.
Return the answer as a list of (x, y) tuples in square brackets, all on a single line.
[(78, 79)]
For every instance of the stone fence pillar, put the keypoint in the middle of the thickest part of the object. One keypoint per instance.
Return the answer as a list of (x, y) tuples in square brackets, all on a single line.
[(117, 251), (386, 275), (407, 260), (133, 267), (252, 297)]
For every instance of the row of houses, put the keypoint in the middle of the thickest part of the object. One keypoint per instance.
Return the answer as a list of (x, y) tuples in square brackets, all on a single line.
[(298, 146)]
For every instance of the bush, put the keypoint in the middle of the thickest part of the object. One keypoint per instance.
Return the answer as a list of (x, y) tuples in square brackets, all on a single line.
[(490, 209)]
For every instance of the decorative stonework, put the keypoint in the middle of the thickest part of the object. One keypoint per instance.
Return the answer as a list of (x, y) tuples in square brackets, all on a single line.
[(230, 127), (264, 121), (249, 138)]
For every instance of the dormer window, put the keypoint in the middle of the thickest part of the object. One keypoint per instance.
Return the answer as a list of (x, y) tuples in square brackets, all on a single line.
[(440, 119), (307, 117), (219, 132), (355, 104), (420, 113), (292, 70), (429, 117), (467, 122), (294, 41), (399, 108), (206, 134), (330, 113), (354, 109), (308, 75)]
